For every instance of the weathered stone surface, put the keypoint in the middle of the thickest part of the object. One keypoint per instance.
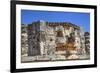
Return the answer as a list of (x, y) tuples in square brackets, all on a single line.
[(43, 41)]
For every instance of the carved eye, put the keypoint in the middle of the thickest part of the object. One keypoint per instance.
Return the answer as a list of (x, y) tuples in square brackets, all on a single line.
[(59, 34), (51, 39)]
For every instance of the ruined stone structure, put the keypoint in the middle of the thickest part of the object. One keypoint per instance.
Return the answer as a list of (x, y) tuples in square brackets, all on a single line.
[(24, 40), (43, 40), (34, 39), (54, 39), (87, 42)]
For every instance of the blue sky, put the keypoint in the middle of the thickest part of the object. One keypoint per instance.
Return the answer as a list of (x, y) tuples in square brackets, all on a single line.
[(80, 19)]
